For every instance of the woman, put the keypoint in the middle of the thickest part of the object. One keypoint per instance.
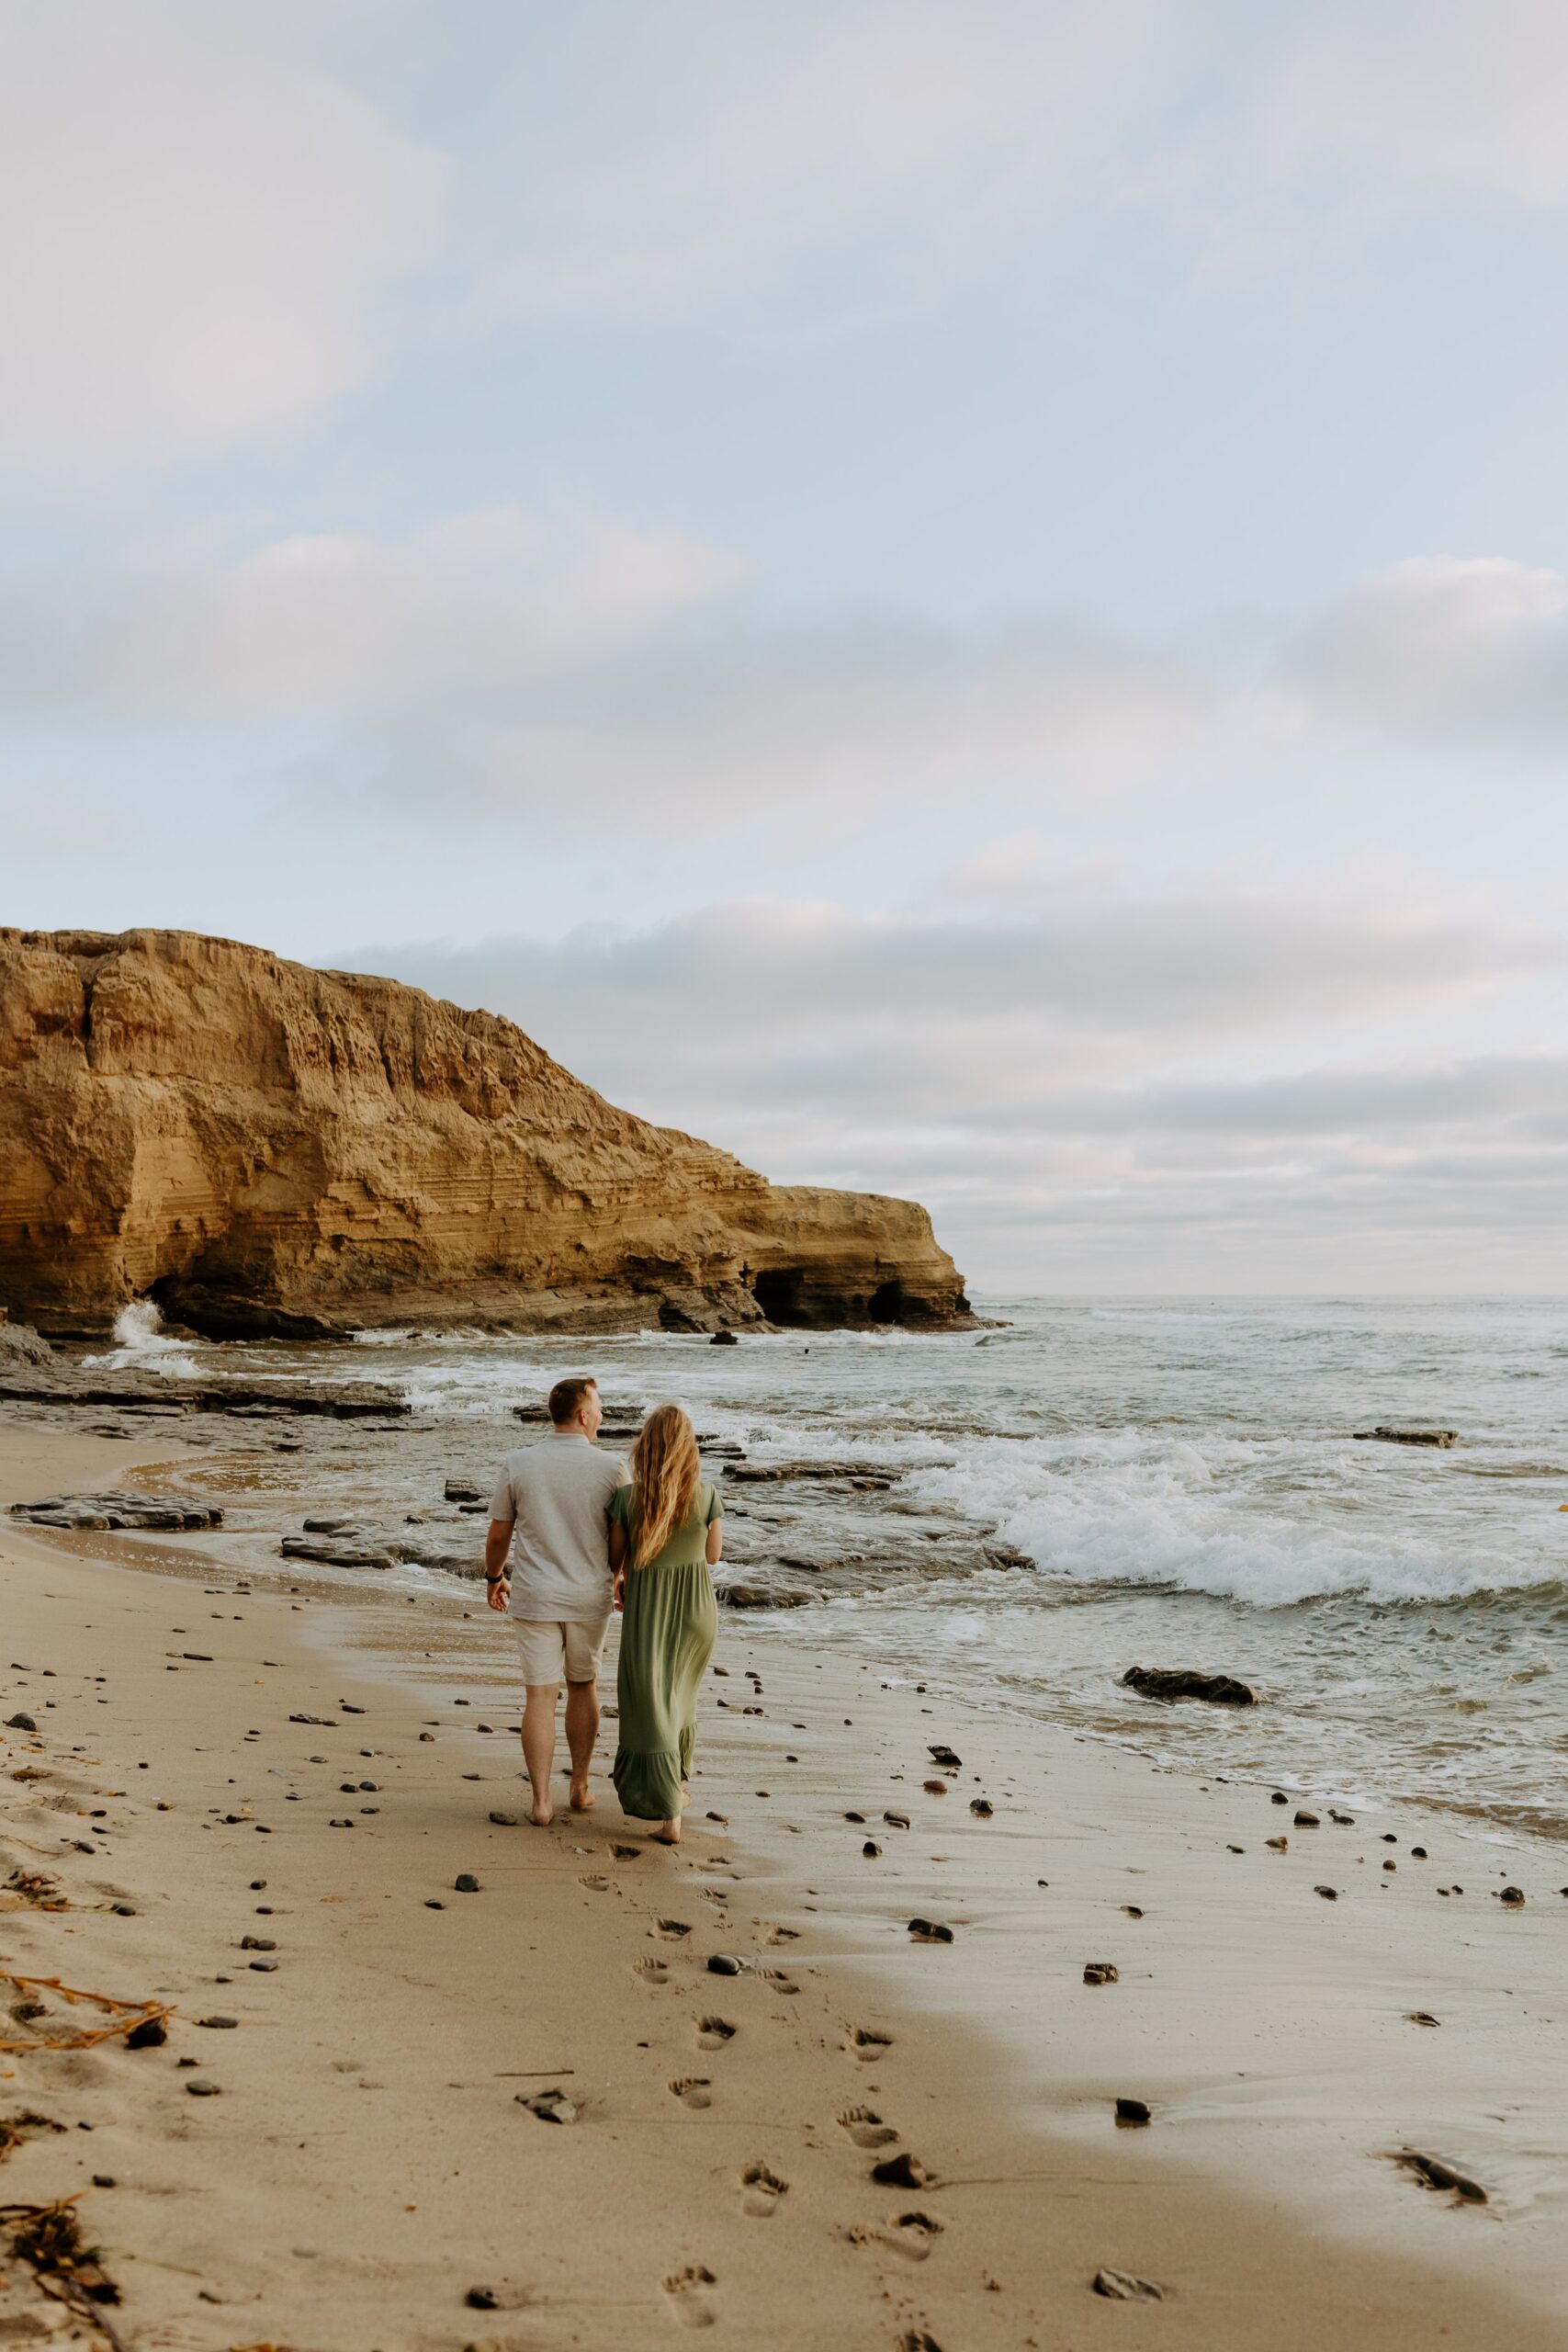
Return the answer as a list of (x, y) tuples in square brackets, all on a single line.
[(666, 1531)]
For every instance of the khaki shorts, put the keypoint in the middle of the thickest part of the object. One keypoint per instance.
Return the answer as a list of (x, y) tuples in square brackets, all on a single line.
[(561, 1653)]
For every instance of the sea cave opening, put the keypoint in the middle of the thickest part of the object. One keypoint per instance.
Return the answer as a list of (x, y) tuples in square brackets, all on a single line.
[(778, 1293)]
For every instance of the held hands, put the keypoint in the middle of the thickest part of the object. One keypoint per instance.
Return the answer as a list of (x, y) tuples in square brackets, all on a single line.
[(497, 1591)]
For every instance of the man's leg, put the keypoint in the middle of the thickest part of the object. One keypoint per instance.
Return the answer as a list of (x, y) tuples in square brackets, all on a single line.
[(581, 1731), (539, 1744)]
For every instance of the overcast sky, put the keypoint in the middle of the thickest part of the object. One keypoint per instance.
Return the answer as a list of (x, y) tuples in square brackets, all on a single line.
[(964, 596)]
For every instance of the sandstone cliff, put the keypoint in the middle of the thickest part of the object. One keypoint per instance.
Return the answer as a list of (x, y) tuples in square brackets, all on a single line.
[(264, 1149)]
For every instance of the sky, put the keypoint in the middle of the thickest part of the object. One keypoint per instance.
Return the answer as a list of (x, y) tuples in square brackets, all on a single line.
[(968, 598)]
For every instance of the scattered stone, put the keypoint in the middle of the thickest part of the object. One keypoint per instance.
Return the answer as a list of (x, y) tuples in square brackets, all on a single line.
[(20, 1723), (466, 1884), (902, 2171), (1306, 1820), (1279, 1797), (1171, 1682), (218, 2025), (871, 1850), (120, 1507), (724, 1339), (199, 2088), (944, 1756), (1100, 1972), (724, 1964), (1512, 1894), (504, 1820), (929, 1931), (934, 1788), (1419, 1853), (150, 2034), (482, 2298), (325, 1722), (983, 1806), (896, 1820), (1435, 2172), (1121, 2287), (1132, 2110), (1421, 2017), (1278, 1845), (1346, 1820), (459, 1490), (1329, 1894), (258, 1943), (1383, 1436), (550, 2107)]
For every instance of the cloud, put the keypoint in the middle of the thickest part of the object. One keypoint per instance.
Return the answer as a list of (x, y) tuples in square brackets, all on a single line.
[(197, 223), (1125, 1070), (828, 152), (1433, 94), (1446, 646)]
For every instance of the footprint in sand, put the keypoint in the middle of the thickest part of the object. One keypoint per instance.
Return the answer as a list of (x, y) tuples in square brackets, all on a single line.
[(909, 2234), (625, 1853), (652, 1971), (713, 2032), (761, 2191), (784, 1936), (866, 2042), (865, 2128), (599, 1885), (690, 2304), (673, 1928), (692, 2090)]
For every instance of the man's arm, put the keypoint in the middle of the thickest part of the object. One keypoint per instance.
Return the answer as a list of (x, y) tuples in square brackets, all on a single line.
[(498, 1544)]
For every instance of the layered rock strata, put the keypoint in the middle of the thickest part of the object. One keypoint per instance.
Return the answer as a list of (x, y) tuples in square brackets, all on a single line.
[(268, 1150)]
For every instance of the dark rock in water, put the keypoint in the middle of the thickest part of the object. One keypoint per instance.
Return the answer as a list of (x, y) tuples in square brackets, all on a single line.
[(902, 2171), (1443, 1438), (20, 1723), (1186, 1682), (1121, 2287), (1279, 1797), (459, 1490), (929, 1931), (724, 1339), (1132, 2110), (763, 1596), (1100, 1972), (1435, 2172), (19, 1343), (335, 1552)]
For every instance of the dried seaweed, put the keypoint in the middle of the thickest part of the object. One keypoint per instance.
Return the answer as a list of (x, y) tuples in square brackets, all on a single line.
[(15, 2129), (36, 1888), (131, 2015), (48, 2238)]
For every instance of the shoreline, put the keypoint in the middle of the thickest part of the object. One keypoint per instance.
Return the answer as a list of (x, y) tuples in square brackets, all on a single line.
[(1332, 2246)]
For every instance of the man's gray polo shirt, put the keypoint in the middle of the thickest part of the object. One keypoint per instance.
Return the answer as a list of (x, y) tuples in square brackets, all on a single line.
[(557, 1491)]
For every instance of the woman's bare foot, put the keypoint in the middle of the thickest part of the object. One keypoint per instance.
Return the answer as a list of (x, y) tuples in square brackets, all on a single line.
[(669, 1832), (581, 1796), (544, 1813)]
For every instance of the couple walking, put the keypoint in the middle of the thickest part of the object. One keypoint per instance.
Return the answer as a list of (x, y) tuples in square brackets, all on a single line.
[(576, 1535)]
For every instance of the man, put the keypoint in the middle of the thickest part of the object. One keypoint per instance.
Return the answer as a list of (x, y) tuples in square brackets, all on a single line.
[(551, 1497)]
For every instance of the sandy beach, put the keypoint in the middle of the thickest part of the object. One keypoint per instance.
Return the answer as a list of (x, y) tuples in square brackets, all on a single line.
[(351, 2164)]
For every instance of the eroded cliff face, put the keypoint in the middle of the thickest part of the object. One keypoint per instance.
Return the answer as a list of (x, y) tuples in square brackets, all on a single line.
[(264, 1149)]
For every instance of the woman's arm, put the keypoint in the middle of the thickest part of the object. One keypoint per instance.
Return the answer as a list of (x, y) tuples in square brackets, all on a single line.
[(716, 1540)]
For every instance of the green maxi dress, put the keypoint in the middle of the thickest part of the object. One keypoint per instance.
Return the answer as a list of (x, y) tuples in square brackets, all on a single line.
[(668, 1631)]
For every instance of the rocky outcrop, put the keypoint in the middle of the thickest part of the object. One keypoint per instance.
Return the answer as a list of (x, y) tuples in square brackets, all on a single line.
[(268, 1151)]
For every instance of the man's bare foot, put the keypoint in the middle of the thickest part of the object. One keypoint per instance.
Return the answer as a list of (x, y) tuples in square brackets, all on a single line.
[(668, 1833), (581, 1796), (544, 1813)]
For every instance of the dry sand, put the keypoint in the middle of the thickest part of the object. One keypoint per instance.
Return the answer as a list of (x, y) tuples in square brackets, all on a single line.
[(363, 2160)]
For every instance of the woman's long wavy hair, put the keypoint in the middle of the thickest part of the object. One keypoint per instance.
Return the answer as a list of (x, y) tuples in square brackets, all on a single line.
[(666, 1474)]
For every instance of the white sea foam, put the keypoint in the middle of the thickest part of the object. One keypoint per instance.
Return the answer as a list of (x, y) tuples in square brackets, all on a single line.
[(142, 1345), (1131, 1508)]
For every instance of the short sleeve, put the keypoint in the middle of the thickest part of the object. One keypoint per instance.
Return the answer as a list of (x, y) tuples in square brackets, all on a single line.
[(716, 1507), (618, 1507), (501, 1505)]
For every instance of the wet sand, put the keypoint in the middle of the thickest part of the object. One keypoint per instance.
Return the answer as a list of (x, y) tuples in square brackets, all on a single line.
[(362, 2161)]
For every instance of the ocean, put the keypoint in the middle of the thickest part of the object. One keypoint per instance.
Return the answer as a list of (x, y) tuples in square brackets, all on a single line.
[(1021, 1513)]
